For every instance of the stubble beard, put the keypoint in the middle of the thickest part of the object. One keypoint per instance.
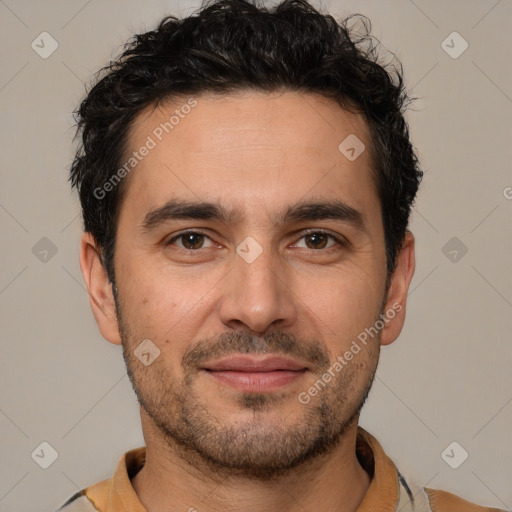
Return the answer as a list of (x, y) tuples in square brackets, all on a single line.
[(254, 448)]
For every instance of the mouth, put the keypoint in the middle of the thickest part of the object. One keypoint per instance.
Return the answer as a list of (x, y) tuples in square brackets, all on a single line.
[(256, 374)]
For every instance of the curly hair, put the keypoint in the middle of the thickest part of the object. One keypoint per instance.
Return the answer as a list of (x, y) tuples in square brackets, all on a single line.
[(234, 45)]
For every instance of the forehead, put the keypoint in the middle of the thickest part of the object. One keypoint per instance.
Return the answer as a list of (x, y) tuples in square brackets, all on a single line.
[(250, 145)]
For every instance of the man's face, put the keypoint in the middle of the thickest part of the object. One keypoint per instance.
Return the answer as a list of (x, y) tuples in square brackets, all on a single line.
[(254, 285)]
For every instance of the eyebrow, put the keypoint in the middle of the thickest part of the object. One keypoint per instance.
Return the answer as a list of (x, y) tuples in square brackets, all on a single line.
[(177, 209)]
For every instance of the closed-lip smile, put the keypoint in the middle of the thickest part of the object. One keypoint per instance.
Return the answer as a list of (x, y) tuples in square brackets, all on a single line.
[(256, 373)]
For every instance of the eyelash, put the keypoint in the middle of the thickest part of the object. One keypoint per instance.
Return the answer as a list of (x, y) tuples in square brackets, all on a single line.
[(340, 241)]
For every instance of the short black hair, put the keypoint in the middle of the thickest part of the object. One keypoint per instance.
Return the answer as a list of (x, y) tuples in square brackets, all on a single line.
[(229, 46)]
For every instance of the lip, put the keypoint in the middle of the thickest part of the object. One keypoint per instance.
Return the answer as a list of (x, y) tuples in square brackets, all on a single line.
[(252, 374), (255, 364)]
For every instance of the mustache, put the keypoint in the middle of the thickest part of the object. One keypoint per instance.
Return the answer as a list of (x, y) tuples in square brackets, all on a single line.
[(245, 343)]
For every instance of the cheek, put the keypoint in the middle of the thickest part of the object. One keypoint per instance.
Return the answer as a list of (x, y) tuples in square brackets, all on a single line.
[(343, 306), (167, 309), (147, 305)]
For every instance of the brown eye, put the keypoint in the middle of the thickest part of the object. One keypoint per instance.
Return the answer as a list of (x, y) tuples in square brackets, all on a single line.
[(318, 240), (190, 241)]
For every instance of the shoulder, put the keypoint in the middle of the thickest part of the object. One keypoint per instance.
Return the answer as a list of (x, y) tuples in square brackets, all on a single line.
[(109, 494), (442, 501), (91, 499), (79, 502)]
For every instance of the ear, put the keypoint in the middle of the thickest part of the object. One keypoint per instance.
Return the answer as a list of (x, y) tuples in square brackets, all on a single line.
[(394, 310), (99, 287)]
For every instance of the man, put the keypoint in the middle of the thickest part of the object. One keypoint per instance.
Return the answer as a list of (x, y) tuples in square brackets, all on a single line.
[(246, 179)]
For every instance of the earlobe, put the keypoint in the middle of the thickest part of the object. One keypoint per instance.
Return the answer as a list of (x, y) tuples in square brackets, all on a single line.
[(394, 310), (99, 287)]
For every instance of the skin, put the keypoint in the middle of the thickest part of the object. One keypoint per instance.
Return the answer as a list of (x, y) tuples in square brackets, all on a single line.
[(210, 446)]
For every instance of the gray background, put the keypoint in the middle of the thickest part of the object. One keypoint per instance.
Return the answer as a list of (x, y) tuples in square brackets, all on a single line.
[(448, 377)]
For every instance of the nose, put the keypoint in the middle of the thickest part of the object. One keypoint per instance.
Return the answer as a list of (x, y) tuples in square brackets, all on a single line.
[(258, 294)]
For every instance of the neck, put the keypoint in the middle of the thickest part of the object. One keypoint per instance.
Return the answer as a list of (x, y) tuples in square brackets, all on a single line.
[(172, 481)]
